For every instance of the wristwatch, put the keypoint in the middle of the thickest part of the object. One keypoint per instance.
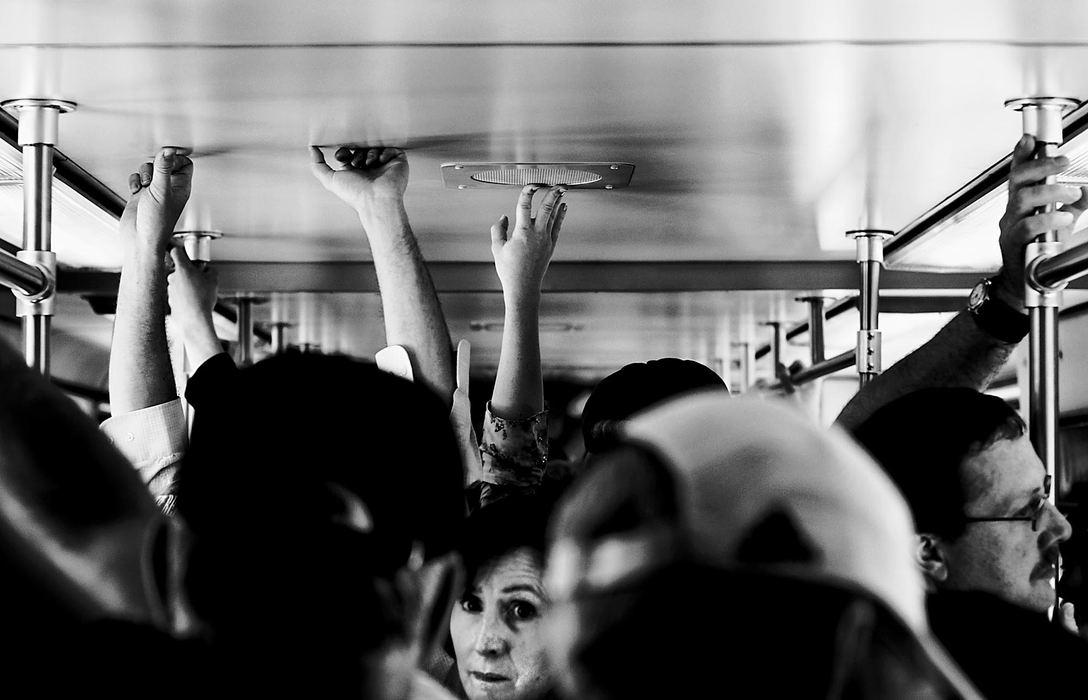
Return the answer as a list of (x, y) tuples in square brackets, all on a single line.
[(994, 316)]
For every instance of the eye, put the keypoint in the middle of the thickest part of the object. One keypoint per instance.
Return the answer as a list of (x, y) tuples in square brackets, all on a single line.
[(471, 604), (523, 610)]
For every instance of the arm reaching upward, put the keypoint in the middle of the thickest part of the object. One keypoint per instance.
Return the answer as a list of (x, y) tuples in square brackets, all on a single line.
[(521, 257), (372, 181), (140, 374), (515, 438), (963, 354), (192, 290)]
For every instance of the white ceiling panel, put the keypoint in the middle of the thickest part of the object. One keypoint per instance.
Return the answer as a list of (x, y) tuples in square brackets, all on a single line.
[(758, 131)]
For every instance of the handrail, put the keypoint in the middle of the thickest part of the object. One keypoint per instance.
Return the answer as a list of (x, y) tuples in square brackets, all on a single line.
[(1062, 267), (22, 277), (822, 369)]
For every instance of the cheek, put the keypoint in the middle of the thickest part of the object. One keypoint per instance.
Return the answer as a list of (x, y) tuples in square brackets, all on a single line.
[(530, 655)]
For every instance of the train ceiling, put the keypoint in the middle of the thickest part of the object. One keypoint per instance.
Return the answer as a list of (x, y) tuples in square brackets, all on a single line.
[(759, 132)]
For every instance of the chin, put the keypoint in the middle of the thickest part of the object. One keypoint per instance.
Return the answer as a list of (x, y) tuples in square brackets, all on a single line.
[(1040, 599)]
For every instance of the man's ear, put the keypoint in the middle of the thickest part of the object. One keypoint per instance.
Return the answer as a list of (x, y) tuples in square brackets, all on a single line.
[(436, 587), (930, 558)]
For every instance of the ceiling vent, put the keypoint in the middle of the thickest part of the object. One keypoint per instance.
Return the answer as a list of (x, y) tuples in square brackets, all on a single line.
[(582, 176)]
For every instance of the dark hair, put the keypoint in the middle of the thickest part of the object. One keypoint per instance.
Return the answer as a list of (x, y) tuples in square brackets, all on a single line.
[(500, 528), (277, 450), (636, 386), (922, 440)]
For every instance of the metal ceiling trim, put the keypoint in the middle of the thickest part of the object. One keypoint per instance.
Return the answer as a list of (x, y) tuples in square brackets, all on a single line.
[(924, 227), (563, 277), (69, 172)]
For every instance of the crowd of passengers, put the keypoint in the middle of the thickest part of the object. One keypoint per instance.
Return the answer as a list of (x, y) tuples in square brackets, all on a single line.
[(329, 527)]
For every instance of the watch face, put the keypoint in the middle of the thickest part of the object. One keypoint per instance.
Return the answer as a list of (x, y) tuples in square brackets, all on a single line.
[(978, 295)]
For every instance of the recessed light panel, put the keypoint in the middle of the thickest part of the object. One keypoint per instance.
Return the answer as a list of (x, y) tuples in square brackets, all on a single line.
[(582, 176)]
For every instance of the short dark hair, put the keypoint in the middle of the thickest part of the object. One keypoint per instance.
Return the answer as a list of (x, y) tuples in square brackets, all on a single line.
[(922, 440), (635, 387), (275, 455)]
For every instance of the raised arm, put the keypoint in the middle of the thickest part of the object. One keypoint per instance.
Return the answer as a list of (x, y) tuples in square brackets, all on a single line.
[(521, 257), (514, 448), (964, 353), (372, 181), (140, 374), (192, 289)]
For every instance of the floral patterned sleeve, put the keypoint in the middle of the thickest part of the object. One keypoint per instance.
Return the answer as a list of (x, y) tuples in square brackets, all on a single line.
[(514, 452)]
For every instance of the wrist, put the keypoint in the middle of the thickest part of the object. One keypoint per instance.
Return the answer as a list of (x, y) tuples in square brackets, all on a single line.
[(521, 299), (379, 206), (994, 316), (1008, 292)]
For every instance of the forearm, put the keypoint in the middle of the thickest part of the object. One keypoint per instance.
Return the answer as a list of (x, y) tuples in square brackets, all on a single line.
[(140, 373), (200, 340), (960, 355), (413, 316), (519, 390)]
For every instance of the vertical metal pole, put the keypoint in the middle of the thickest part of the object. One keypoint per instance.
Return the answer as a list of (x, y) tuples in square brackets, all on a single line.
[(816, 319), (1042, 118), (198, 244), (245, 331), (776, 346), (870, 259), (37, 236), (38, 120), (745, 354), (279, 337)]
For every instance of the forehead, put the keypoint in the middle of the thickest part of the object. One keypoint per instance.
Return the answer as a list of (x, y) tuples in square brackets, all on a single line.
[(520, 567), (1003, 472)]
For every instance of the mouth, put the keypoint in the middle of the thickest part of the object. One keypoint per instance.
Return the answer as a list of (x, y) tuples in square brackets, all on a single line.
[(1048, 567), (481, 677)]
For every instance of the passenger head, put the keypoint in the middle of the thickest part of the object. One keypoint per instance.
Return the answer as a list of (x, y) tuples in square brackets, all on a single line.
[(733, 542), (324, 496), (977, 492), (635, 387), (497, 626)]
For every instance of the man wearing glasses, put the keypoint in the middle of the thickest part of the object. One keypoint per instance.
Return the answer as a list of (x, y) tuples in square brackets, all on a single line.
[(988, 537)]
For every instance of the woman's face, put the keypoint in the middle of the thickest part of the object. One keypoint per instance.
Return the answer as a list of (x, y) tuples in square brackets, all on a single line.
[(496, 630)]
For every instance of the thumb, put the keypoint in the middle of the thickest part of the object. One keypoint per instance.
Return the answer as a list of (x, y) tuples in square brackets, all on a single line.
[(180, 256), (1068, 617), (499, 230), (318, 166), (164, 167)]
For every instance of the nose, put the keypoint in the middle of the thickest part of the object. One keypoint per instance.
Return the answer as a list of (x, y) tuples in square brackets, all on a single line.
[(1058, 525), (491, 639)]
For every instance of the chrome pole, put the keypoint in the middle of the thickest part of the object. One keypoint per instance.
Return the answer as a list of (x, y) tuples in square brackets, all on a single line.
[(829, 366), (1060, 269), (870, 259), (245, 331), (776, 345), (816, 320), (746, 379), (21, 277), (279, 336), (1042, 118), (38, 121)]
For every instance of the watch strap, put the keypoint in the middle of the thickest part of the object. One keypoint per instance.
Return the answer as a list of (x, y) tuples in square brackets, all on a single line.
[(1000, 320)]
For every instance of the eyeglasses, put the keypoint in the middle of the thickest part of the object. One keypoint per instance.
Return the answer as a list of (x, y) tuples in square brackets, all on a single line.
[(1038, 505)]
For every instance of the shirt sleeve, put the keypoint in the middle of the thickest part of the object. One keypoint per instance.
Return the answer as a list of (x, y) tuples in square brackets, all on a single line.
[(154, 440), (514, 453)]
